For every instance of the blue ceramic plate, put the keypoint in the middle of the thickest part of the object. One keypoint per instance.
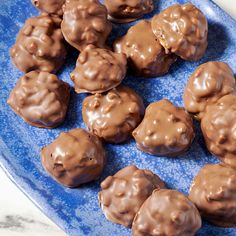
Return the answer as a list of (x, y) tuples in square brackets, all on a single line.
[(77, 211)]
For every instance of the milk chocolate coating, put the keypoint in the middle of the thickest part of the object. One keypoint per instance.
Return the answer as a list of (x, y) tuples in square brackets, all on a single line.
[(214, 193), (49, 6), (219, 130), (98, 70), (113, 115), (123, 194), (167, 213), (183, 30), (166, 130), (41, 99), (208, 83), (74, 158), (84, 23), (145, 54), (39, 45), (123, 11)]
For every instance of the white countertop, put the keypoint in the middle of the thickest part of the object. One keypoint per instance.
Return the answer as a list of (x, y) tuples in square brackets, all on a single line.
[(227, 5), (19, 216)]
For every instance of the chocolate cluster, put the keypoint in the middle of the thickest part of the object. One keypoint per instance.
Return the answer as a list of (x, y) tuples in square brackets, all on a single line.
[(113, 115), (98, 70), (166, 130), (183, 30), (74, 158), (123, 11), (145, 54), (49, 6), (84, 23), (209, 82), (123, 194), (39, 45), (167, 212), (41, 99), (213, 191)]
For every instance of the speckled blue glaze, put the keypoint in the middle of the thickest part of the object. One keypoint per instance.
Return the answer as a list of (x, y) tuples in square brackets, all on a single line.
[(76, 210)]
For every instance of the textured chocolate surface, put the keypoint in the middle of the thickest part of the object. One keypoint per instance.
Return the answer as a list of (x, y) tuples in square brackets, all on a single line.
[(98, 70), (214, 193), (145, 54), (122, 11), (39, 45), (113, 115), (74, 158), (209, 82), (123, 194), (167, 213), (41, 99), (219, 130), (183, 30), (49, 6), (84, 23), (166, 130)]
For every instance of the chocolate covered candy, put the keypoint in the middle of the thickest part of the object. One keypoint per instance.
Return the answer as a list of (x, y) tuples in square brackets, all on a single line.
[(84, 23), (123, 11), (74, 158), (166, 130), (49, 6), (123, 194), (41, 99), (167, 213), (113, 115), (183, 30), (98, 70), (145, 54), (213, 191), (219, 130), (39, 45), (209, 82)]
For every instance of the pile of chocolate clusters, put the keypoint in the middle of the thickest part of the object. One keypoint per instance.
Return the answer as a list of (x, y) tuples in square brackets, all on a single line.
[(113, 113)]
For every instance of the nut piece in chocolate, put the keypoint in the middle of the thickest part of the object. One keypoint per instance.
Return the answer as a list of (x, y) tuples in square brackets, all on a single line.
[(166, 130), (183, 30), (49, 6), (219, 130), (84, 23), (98, 70), (167, 213), (74, 158), (39, 45), (123, 11), (123, 194), (213, 191), (113, 115), (41, 99), (209, 82), (145, 54)]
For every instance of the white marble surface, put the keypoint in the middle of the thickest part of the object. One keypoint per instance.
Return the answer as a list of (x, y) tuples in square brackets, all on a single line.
[(19, 216)]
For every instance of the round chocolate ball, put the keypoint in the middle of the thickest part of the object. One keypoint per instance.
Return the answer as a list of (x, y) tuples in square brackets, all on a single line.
[(145, 54), (213, 191), (123, 194), (49, 6), (74, 158), (113, 115), (219, 130), (98, 70), (183, 30), (120, 11), (209, 82), (166, 130), (84, 23), (167, 213), (39, 45), (41, 99)]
